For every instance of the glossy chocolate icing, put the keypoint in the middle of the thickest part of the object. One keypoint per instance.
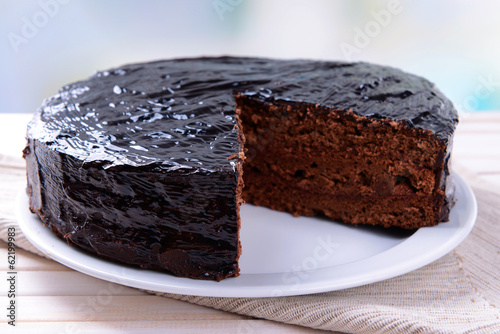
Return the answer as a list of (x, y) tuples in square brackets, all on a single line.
[(180, 113), (142, 163)]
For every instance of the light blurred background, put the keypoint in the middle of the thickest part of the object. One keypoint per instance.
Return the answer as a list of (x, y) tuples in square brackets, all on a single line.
[(46, 44)]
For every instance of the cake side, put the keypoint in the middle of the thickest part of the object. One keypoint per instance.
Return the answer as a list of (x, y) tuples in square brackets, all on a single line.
[(142, 165), (184, 221), (308, 160)]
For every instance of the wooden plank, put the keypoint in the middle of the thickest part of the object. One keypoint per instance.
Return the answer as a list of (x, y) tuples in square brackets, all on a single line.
[(105, 306), (493, 179), (470, 128), (488, 122), (477, 145), (488, 116), (476, 138), (146, 326), (69, 283), (27, 261), (480, 165)]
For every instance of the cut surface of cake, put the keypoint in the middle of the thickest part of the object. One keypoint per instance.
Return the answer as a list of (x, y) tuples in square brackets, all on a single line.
[(148, 164)]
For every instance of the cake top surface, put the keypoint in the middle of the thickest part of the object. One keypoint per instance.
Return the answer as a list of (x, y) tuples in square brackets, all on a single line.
[(180, 113)]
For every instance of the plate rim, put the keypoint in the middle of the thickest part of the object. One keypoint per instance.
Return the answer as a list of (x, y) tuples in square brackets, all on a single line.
[(311, 281)]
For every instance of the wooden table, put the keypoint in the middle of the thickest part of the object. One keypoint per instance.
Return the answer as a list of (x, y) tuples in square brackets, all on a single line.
[(55, 299)]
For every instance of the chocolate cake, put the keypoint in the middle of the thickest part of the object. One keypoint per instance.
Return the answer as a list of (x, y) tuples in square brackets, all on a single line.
[(147, 164)]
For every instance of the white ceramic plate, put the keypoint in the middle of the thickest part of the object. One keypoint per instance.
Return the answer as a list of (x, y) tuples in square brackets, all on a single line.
[(283, 255)]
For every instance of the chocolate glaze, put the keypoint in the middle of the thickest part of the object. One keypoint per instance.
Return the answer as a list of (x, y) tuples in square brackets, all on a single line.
[(169, 128), (180, 113)]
